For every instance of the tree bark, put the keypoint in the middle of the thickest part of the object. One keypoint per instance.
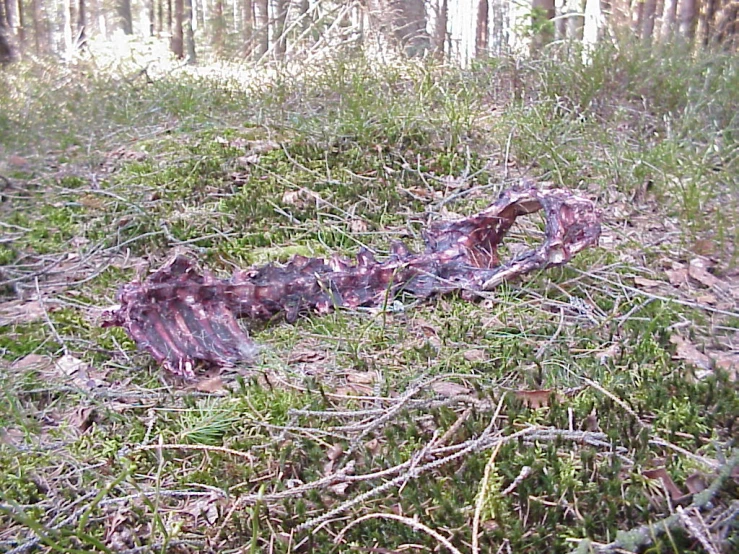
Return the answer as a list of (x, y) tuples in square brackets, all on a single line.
[(81, 24), (8, 51), (669, 14), (440, 32), (482, 30), (178, 43), (261, 12), (280, 40), (126, 18), (712, 6), (688, 14), (647, 27), (248, 28)]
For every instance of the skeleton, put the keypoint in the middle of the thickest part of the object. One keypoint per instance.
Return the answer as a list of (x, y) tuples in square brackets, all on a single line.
[(184, 317)]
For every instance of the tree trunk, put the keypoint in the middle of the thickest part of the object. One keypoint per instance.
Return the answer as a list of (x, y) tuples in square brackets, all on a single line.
[(124, 13), (669, 13), (189, 33), (81, 24), (248, 28), (218, 28), (440, 32), (8, 51), (482, 30), (36, 18), (712, 6), (280, 40), (261, 12), (542, 13), (647, 27), (67, 28), (688, 15), (178, 43)]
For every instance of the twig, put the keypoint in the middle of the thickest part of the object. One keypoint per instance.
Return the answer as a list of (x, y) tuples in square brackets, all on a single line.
[(407, 521)]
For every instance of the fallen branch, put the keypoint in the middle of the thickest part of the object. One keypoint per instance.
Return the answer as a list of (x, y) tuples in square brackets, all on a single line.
[(183, 317), (635, 539)]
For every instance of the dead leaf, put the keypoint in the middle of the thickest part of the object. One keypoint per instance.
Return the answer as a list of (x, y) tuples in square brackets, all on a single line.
[(670, 486), (361, 377), (534, 399), (695, 483), (645, 283), (728, 361), (263, 146), (335, 451), (212, 385), (32, 362), (83, 418), (706, 299), (373, 446), (677, 276), (449, 389), (305, 357), (704, 247), (339, 489), (697, 271), (18, 312), (246, 161), (686, 351), (358, 226), (474, 355)]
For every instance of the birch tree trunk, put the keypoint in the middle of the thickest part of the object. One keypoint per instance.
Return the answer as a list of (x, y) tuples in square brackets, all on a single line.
[(189, 32), (261, 11)]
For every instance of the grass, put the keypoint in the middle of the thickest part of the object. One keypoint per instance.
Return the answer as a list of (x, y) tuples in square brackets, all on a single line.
[(573, 373)]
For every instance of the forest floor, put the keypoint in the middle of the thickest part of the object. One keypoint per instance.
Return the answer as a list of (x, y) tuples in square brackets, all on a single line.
[(589, 407)]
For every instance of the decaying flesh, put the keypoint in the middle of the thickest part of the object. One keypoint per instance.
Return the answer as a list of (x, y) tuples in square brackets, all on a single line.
[(184, 317)]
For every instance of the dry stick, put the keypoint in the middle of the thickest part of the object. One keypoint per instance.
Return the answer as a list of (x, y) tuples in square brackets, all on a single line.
[(645, 534), (48, 319), (407, 521)]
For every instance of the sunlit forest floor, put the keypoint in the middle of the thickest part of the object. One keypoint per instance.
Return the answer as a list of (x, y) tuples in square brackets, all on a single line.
[(578, 403)]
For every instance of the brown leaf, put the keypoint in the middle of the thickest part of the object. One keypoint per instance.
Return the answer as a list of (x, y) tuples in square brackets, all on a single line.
[(335, 451), (645, 283), (361, 377), (728, 361), (358, 226), (212, 385), (695, 483), (18, 312), (697, 271), (474, 355), (305, 356), (83, 418), (449, 389), (685, 350), (677, 276), (534, 399), (670, 486), (32, 362), (263, 146)]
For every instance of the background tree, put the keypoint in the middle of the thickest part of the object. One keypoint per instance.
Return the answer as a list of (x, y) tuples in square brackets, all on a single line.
[(125, 15)]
